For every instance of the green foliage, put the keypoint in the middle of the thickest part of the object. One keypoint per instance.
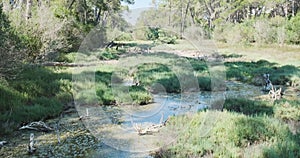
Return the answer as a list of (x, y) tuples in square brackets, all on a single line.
[(36, 93), (129, 95), (124, 37), (10, 98), (109, 54), (140, 95), (248, 107), (251, 72), (149, 74), (293, 30), (160, 35), (232, 135), (10, 48), (287, 110)]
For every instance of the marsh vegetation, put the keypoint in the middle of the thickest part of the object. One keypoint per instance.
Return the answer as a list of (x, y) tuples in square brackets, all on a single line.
[(204, 73)]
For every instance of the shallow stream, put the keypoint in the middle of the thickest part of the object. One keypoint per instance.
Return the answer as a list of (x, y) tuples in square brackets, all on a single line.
[(115, 126)]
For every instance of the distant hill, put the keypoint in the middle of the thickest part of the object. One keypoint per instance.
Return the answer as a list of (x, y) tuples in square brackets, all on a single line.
[(132, 15)]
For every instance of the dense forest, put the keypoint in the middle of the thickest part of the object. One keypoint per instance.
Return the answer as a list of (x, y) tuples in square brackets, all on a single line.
[(229, 21)]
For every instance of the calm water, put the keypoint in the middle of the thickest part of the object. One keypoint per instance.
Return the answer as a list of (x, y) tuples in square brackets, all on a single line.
[(114, 126)]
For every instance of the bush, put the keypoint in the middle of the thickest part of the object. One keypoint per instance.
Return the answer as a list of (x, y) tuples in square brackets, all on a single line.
[(287, 110), (232, 135), (249, 71), (248, 107), (11, 48), (159, 35), (292, 28), (139, 95), (36, 94)]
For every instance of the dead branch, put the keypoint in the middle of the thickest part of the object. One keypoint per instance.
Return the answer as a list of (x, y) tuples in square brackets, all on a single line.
[(86, 116), (2, 143), (153, 128), (66, 64), (31, 147), (275, 94), (38, 126)]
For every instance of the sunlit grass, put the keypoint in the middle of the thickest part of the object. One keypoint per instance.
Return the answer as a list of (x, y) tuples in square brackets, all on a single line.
[(231, 136)]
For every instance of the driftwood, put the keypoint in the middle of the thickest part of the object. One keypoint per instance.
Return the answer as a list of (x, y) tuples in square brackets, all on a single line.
[(86, 116), (2, 143), (57, 132), (153, 128), (275, 94), (148, 130), (66, 64), (38, 126), (31, 147)]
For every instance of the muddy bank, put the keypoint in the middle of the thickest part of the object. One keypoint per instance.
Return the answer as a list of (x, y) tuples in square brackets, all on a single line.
[(75, 140)]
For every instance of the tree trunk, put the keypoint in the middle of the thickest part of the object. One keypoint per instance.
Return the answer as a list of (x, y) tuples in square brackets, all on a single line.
[(170, 12), (28, 9), (293, 8), (98, 17), (181, 19), (71, 4), (185, 15)]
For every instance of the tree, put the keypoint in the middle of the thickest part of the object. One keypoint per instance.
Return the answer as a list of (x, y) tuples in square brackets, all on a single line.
[(10, 48)]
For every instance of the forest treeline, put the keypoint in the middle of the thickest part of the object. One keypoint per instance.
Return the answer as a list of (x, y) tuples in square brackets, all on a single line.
[(229, 21), (41, 30)]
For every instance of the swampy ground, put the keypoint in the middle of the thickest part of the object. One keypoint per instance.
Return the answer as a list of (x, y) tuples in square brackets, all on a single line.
[(247, 123)]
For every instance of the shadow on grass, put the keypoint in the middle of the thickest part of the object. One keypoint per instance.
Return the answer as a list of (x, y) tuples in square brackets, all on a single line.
[(251, 72), (106, 94), (232, 55), (169, 73), (37, 93), (248, 107)]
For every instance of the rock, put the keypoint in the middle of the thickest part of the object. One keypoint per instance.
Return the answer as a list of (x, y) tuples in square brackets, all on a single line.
[(2, 143)]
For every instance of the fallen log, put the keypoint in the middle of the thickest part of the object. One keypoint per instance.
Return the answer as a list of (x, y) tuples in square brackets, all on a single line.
[(150, 129), (66, 64), (38, 126)]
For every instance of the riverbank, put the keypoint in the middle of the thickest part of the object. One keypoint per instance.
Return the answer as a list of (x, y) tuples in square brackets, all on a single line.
[(72, 139), (155, 73)]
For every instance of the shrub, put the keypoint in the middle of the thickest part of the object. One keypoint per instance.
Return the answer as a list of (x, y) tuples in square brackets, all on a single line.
[(158, 35), (248, 107), (287, 110), (139, 95), (231, 135), (292, 28)]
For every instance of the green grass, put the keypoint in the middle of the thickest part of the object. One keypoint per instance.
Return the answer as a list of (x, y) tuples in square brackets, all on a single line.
[(283, 55), (248, 107), (232, 135), (176, 75), (287, 110), (251, 72), (35, 94), (100, 87)]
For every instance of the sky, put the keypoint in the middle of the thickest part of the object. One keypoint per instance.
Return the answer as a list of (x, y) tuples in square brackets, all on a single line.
[(141, 4), (136, 9)]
